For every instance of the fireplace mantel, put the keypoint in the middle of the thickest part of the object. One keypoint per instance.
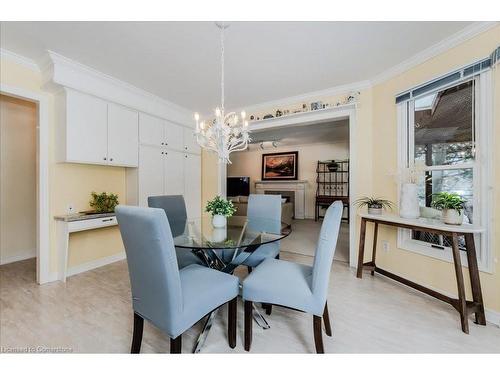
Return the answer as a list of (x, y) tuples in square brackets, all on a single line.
[(296, 186)]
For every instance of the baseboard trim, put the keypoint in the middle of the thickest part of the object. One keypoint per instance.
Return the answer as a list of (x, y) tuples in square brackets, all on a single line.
[(23, 255), (492, 317)]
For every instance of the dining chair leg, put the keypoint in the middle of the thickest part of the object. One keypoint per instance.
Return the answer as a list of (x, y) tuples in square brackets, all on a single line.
[(231, 322), (248, 324), (176, 345), (318, 335), (137, 335), (268, 307), (326, 320)]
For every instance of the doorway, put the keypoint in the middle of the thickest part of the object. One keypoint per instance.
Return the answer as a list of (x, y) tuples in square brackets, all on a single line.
[(18, 209)]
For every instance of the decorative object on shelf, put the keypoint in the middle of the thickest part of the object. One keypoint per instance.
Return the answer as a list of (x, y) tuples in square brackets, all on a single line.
[(279, 113), (451, 205), (375, 205), (304, 108), (286, 112), (252, 117), (333, 166), (316, 105), (268, 116), (220, 209), (332, 185), (280, 166), (228, 133), (409, 207), (104, 202)]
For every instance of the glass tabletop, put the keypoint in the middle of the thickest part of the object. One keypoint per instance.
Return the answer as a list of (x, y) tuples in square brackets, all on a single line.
[(240, 232)]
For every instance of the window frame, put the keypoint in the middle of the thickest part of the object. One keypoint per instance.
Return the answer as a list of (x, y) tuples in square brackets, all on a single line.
[(482, 168)]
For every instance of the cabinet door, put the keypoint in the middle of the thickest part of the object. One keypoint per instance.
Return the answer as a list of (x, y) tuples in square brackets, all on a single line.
[(150, 173), (123, 136), (174, 136), (190, 143), (151, 130), (86, 129), (174, 173), (192, 184)]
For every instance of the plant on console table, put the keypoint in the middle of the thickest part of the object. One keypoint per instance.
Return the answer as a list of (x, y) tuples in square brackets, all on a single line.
[(104, 202), (451, 205), (375, 205), (220, 209)]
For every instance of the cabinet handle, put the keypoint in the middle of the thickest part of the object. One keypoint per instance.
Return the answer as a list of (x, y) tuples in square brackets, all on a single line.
[(104, 158), (110, 159), (185, 147), (162, 143), (104, 220), (162, 152)]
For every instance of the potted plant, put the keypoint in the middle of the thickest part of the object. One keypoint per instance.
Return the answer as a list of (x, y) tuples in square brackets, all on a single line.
[(375, 205), (104, 202), (220, 209), (451, 205), (333, 166)]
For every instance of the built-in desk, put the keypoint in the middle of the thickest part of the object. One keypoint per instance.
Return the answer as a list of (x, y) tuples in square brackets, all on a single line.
[(67, 224), (463, 306)]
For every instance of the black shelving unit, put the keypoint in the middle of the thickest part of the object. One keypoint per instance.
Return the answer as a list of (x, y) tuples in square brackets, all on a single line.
[(332, 185)]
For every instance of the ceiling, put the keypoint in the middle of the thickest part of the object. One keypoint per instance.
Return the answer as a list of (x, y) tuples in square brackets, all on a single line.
[(329, 132), (180, 61)]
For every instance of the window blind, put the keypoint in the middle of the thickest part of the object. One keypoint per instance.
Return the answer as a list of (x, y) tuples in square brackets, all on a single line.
[(458, 75)]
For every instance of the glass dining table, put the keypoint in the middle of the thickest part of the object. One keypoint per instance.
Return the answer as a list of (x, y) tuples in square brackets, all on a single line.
[(225, 248)]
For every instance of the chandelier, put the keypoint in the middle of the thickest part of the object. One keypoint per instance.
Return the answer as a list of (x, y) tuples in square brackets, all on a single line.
[(227, 132)]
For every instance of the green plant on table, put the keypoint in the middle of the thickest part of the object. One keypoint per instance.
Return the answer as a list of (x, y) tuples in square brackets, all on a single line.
[(448, 201), (220, 206), (374, 202), (103, 202)]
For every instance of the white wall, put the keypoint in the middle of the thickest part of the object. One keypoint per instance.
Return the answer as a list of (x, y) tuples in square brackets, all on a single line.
[(249, 163), (18, 121)]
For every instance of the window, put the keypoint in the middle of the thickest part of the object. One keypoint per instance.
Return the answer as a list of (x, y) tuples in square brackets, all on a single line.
[(445, 129)]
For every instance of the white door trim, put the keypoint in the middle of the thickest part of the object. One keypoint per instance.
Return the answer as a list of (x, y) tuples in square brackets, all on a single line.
[(311, 118), (42, 244)]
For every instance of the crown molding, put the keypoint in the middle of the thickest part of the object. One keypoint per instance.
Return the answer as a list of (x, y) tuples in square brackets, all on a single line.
[(332, 91), (59, 71), (18, 59), (452, 41)]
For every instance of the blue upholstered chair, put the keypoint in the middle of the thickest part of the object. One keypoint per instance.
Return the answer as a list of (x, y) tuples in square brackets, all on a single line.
[(171, 299), (295, 285), (175, 208), (268, 207)]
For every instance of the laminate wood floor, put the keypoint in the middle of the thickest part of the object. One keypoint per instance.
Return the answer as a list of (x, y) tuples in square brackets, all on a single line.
[(92, 313)]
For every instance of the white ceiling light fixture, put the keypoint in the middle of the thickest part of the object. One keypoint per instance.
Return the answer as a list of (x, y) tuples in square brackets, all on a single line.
[(227, 132)]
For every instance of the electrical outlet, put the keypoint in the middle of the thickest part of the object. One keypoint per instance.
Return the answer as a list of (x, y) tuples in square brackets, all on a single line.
[(71, 209), (385, 246)]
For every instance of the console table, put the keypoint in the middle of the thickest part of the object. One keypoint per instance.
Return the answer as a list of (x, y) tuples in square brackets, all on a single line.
[(463, 306), (67, 224)]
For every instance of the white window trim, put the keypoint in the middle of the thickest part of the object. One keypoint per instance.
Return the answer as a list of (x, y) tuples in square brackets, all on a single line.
[(483, 183)]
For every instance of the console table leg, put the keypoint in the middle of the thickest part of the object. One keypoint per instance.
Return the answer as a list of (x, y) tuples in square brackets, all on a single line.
[(477, 295), (374, 252), (361, 253), (462, 305)]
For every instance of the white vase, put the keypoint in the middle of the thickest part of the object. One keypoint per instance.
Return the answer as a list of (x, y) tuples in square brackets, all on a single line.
[(452, 217), (219, 234), (408, 204), (219, 221)]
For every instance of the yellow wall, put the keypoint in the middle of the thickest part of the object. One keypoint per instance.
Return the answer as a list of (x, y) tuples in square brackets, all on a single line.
[(18, 121), (429, 271), (71, 183)]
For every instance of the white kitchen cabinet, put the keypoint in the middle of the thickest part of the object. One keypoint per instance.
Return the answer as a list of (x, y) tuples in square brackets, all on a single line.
[(192, 184), (123, 136), (174, 173), (150, 181), (151, 130), (190, 143), (82, 134), (174, 136)]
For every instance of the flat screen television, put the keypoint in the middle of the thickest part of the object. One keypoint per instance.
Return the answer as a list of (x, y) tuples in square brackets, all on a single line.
[(238, 186)]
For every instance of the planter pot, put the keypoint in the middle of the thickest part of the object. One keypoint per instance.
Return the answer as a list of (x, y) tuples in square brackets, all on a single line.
[(219, 221), (375, 210), (408, 204), (452, 217), (333, 167), (219, 234)]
